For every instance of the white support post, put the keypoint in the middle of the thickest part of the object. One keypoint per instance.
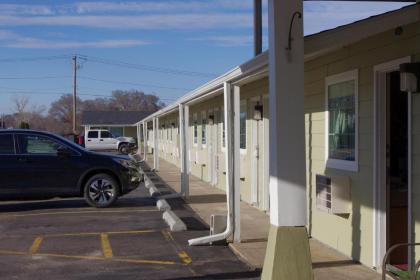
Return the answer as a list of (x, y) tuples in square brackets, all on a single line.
[(183, 141), (287, 254), (145, 140), (236, 106), (155, 144), (139, 139)]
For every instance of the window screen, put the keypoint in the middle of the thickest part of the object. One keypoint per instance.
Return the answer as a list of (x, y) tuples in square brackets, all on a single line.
[(342, 121)]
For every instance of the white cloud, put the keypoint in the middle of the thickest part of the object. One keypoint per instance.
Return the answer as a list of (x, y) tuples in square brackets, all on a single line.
[(154, 21), (10, 39), (227, 41), (162, 6), (18, 9)]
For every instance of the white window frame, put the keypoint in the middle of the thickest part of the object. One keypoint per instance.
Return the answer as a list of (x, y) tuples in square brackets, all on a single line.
[(194, 125), (203, 117), (243, 103), (346, 165)]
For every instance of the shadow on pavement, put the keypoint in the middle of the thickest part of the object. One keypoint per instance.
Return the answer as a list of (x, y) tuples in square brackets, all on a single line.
[(231, 275), (27, 205)]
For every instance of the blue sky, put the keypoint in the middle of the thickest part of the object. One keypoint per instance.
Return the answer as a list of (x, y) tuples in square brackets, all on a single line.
[(207, 37)]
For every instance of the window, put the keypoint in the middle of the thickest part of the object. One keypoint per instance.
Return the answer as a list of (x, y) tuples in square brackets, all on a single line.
[(34, 144), (203, 129), (106, 134), (7, 145), (116, 131), (342, 119), (92, 134), (195, 139), (242, 126)]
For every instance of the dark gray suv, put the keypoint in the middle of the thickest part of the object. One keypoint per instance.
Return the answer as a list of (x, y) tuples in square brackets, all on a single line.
[(40, 165)]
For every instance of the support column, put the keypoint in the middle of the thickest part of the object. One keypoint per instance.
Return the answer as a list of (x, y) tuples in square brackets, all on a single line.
[(155, 144), (288, 255), (184, 149), (236, 163), (139, 139), (145, 140)]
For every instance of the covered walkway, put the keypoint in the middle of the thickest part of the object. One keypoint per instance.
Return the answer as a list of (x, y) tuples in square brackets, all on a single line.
[(206, 200)]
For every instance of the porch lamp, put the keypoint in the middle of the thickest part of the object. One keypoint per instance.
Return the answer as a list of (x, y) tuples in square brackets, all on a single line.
[(410, 77), (258, 112), (211, 119), (173, 125)]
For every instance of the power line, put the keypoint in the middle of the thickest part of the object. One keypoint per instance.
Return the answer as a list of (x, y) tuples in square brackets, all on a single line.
[(39, 58), (34, 78), (144, 67), (131, 83), (26, 92)]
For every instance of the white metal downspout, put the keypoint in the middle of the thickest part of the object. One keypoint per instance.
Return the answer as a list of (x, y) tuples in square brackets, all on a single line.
[(228, 115)]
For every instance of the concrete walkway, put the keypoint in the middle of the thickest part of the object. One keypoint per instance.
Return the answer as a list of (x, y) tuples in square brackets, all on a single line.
[(206, 200)]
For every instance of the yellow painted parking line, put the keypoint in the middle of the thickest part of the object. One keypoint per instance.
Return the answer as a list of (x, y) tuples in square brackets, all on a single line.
[(76, 212), (99, 233), (184, 257), (134, 261), (167, 236), (145, 261), (35, 245), (106, 246)]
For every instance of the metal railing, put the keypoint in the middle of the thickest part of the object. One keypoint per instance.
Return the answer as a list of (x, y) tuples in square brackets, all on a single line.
[(385, 272)]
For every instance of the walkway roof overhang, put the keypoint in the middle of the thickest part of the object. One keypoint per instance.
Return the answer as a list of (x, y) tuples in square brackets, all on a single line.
[(315, 45)]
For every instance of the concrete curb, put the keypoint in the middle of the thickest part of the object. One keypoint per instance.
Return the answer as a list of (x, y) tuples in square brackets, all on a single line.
[(163, 205), (173, 221), (147, 182), (154, 191)]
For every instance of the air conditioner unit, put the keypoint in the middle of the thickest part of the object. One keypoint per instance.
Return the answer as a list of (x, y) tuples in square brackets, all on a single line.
[(333, 194)]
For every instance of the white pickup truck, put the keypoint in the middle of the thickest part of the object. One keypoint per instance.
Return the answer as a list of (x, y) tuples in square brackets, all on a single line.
[(100, 139)]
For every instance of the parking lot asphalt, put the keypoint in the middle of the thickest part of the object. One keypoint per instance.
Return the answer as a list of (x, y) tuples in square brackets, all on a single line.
[(66, 239)]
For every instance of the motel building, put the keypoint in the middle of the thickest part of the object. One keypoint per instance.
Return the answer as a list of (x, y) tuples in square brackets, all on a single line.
[(361, 138)]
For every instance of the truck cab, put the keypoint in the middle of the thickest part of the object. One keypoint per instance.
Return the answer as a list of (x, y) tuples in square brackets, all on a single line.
[(103, 140)]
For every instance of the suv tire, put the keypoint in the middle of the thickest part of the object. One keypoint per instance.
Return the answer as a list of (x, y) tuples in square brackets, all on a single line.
[(101, 190), (124, 149)]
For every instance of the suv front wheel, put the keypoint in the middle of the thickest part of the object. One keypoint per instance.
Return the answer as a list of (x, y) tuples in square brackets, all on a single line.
[(124, 149), (101, 191)]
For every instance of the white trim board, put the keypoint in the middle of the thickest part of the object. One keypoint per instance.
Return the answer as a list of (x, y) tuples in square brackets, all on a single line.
[(336, 163), (379, 151)]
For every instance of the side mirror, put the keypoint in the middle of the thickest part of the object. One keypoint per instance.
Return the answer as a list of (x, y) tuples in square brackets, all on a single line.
[(64, 152)]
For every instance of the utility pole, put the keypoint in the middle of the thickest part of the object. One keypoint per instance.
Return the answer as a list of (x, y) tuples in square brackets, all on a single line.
[(74, 93)]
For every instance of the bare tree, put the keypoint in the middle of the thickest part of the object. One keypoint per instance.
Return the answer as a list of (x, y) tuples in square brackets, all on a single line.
[(21, 104)]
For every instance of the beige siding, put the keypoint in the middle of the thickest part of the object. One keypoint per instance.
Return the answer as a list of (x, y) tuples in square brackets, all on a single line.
[(353, 234), (350, 234)]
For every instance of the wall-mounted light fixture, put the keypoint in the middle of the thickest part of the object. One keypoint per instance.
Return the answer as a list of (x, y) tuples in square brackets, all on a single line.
[(163, 126), (258, 112), (410, 77), (173, 125), (211, 119)]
